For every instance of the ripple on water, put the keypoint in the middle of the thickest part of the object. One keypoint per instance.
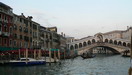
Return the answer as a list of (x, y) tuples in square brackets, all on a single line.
[(100, 65)]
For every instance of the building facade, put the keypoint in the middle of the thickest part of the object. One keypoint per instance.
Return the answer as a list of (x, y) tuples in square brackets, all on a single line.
[(6, 23), (21, 32)]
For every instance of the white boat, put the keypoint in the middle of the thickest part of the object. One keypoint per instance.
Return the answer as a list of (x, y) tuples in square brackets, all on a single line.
[(25, 61), (49, 60)]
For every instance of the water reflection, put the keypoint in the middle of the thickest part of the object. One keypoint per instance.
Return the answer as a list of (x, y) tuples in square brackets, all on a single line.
[(100, 65)]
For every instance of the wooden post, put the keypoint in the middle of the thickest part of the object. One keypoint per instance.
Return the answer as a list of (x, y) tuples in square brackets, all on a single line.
[(26, 56), (35, 54), (58, 54), (64, 54), (50, 56), (19, 54), (24, 53), (54, 56), (39, 54)]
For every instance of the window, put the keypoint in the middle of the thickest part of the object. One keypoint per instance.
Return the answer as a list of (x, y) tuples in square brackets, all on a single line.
[(30, 31), (5, 28), (10, 42), (26, 22), (30, 24), (0, 16), (10, 29), (0, 40), (26, 38), (14, 43), (4, 41), (20, 44), (20, 28), (15, 27), (21, 20), (21, 37), (30, 39), (0, 27), (25, 30), (15, 35), (34, 26), (5, 18)]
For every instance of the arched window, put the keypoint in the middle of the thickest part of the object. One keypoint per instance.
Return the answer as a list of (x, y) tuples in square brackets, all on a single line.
[(115, 42), (76, 46), (84, 44), (106, 40), (71, 47), (124, 44), (80, 45), (89, 42), (119, 43), (128, 45), (111, 41), (93, 40)]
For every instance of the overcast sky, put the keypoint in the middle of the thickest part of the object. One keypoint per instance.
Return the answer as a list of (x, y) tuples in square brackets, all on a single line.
[(77, 18)]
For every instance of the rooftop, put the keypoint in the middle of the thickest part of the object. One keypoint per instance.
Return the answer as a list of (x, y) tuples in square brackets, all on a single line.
[(4, 5)]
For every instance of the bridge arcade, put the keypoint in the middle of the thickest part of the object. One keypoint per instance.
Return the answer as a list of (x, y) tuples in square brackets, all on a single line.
[(86, 44)]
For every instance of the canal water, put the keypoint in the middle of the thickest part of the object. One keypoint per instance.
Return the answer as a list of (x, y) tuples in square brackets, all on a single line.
[(100, 65)]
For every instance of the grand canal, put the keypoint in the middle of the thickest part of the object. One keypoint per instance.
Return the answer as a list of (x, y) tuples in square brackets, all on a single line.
[(100, 65)]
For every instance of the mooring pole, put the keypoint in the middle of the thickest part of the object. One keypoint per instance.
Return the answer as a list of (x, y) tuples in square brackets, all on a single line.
[(130, 69)]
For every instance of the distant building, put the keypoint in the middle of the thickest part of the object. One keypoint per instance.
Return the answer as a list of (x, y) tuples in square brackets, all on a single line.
[(113, 34), (70, 39), (127, 33)]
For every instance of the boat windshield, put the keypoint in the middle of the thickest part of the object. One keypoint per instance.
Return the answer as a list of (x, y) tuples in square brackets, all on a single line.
[(24, 59)]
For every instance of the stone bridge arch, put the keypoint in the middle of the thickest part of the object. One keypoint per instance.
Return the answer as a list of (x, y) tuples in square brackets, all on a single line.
[(89, 43), (108, 48), (114, 48)]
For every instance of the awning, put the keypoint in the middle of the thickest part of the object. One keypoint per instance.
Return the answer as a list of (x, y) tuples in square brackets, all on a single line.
[(7, 48)]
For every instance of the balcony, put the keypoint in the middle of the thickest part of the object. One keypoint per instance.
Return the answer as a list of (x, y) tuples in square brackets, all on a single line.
[(7, 12), (5, 21), (6, 34)]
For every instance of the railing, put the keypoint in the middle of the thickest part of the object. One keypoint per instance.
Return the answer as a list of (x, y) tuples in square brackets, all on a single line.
[(9, 13), (6, 33)]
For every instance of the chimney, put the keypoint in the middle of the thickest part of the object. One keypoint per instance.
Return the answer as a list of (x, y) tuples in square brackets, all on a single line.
[(30, 17), (22, 15)]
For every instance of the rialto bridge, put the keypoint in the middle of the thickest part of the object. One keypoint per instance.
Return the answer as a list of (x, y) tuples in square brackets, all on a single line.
[(115, 45)]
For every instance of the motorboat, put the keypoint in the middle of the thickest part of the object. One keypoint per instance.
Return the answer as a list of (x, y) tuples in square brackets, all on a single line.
[(25, 61)]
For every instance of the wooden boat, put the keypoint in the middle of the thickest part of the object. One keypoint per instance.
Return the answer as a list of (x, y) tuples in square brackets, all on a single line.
[(25, 62), (85, 56)]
